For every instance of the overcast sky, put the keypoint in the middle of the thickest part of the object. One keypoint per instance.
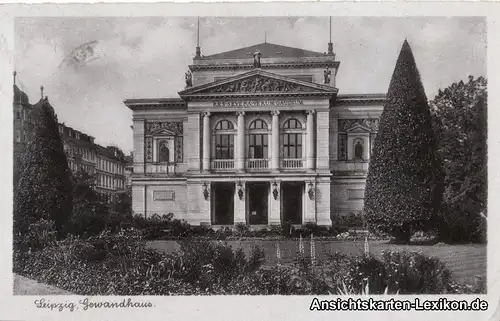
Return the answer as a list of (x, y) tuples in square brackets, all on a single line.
[(147, 57)]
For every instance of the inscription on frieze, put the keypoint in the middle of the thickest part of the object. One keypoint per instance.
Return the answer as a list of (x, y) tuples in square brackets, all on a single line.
[(257, 103), (346, 124), (259, 84)]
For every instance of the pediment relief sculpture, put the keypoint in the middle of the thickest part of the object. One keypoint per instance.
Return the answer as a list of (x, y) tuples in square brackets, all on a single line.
[(164, 128), (259, 84), (346, 125)]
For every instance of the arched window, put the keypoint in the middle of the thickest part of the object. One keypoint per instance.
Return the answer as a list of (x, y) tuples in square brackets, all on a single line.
[(224, 140), (224, 125), (258, 124), (292, 139), (358, 149), (258, 140), (292, 123), (163, 152)]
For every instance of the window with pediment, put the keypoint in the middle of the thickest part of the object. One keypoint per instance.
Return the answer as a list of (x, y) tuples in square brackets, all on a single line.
[(224, 139), (258, 140), (291, 142)]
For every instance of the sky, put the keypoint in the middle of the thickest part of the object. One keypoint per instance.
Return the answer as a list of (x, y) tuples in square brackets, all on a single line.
[(147, 57)]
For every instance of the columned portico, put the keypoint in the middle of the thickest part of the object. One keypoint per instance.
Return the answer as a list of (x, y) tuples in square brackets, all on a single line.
[(275, 203), (239, 203), (310, 140), (206, 141), (275, 141), (240, 157)]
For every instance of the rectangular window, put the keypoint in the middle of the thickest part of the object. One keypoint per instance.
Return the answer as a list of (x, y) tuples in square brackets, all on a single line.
[(292, 145), (18, 115), (258, 146), (224, 146), (18, 136)]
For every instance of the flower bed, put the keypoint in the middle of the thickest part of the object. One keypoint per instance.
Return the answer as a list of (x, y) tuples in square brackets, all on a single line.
[(120, 264)]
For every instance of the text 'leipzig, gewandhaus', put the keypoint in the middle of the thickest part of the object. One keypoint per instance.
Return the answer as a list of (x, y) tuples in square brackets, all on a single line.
[(259, 136)]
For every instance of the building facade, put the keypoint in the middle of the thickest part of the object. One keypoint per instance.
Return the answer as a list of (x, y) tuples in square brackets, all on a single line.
[(259, 136), (83, 154)]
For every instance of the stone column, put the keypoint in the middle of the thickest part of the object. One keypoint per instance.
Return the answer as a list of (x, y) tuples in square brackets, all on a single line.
[(274, 217), (240, 157), (275, 141), (310, 140), (240, 203), (206, 141), (310, 202)]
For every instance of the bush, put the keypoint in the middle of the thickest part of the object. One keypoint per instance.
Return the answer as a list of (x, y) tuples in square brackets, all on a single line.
[(44, 189), (40, 234), (203, 263), (404, 185), (414, 273), (242, 229)]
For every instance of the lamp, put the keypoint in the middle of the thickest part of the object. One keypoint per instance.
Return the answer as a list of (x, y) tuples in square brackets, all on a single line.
[(206, 193), (311, 190), (240, 190), (275, 190)]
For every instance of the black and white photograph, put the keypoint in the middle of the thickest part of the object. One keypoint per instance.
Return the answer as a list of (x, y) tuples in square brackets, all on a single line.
[(203, 155)]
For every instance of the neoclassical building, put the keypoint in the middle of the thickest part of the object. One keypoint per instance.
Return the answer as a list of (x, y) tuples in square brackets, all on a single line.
[(259, 136)]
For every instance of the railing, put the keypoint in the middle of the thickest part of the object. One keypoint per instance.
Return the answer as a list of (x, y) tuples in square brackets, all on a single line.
[(292, 163), (257, 164), (222, 165), (168, 169)]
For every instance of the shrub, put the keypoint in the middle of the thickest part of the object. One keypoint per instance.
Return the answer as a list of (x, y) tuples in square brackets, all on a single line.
[(405, 181), (39, 235), (411, 272), (242, 229), (44, 172)]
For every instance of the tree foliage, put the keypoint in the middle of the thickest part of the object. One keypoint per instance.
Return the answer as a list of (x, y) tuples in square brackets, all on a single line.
[(90, 215), (460, 113), (44, 188), (403, 188)]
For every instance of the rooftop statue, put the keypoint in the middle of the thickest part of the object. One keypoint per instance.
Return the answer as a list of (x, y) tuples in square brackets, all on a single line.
[(327, 74), (189, 79), (256, 59)]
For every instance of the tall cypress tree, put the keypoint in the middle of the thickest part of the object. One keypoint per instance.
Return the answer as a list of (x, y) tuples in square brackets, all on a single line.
[(404, 184), (44, 189)]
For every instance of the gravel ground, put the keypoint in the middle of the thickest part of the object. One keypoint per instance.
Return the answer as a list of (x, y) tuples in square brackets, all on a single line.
[(25, 286)]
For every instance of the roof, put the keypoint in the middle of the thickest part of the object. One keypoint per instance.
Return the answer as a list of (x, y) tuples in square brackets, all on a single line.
[(20, 96), (268, 50)]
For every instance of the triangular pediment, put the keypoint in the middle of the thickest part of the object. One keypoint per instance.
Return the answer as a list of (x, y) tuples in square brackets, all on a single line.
[(258, 82), (357, 128)]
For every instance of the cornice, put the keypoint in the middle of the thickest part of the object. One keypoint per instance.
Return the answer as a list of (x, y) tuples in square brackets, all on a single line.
[(257, 95), (142, 104), (359, 98), (277, 65)]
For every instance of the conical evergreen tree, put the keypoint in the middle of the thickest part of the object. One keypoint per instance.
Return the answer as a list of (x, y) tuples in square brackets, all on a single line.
[(404, 184), (44, 189)]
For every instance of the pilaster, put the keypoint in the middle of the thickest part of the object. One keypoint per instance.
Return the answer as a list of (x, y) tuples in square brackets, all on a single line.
[(240, 195), (274, 217)]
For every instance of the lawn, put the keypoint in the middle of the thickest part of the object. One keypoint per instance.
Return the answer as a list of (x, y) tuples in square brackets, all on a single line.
[(465, 261)]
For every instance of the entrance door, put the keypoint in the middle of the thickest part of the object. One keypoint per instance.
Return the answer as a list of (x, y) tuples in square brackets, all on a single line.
[(257, 203), (223, 204), (292, 202)]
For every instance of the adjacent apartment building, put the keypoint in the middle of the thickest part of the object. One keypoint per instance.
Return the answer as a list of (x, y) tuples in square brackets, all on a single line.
[(259, 136), (106, 163)]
